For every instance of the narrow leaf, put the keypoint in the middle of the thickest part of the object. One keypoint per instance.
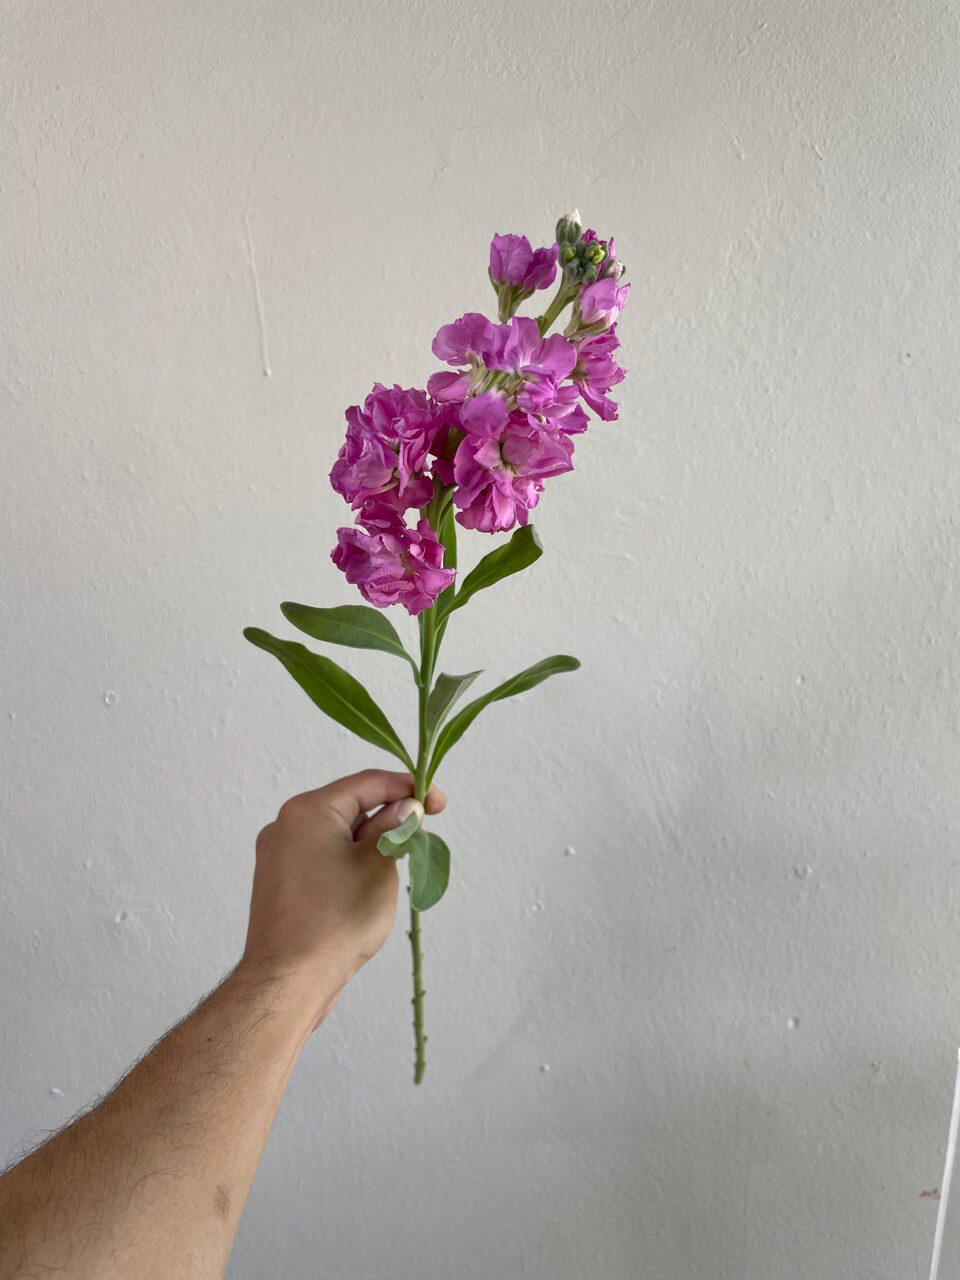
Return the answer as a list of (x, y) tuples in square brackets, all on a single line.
[(355, 625), (522, 549), (461, 722), (429, 869), (447, 533), (392, 844), (334, 691), (442, 697)]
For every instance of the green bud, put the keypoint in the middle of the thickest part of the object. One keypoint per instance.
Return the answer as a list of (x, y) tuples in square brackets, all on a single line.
[(596, 252), (569, 228), (567, 254), (509, 297)]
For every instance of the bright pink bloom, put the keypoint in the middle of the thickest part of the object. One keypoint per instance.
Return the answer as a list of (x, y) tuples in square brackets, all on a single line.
[(390, 563), (538, 364), (596, 372), (386, 449), (501, 464), (600, 304), (520, 349), (465, 343), (484, 415), (514, 262), (563, 412)]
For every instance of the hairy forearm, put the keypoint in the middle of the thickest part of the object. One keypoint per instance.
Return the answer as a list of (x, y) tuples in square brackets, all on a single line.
[(152, 1181)]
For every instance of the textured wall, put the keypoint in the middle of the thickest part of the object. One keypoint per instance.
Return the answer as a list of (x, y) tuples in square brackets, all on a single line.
[(718, 1040)]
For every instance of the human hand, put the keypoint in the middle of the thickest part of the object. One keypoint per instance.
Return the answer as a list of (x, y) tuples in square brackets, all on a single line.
[(324, 898)]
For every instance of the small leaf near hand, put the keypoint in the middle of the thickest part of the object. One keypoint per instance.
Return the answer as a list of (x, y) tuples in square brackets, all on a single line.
[(334, 691), (393, 844), (355, 625), (429, 869)]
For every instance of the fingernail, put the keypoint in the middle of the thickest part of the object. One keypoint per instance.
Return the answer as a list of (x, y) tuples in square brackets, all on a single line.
[(407, 807)]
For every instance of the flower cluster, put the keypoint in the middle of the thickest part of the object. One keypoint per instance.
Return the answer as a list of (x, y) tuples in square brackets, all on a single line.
[(489, 430)]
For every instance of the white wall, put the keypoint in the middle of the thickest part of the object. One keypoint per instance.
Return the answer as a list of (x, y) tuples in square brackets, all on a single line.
[(746, 983)]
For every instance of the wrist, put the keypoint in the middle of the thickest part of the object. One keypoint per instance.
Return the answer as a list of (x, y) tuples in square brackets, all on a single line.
[(301, 992)]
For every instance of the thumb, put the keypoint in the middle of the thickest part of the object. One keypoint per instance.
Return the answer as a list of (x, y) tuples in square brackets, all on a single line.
[(386, 819)]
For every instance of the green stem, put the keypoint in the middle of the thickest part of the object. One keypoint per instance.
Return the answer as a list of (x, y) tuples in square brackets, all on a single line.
[(430, 637), (562, 298), (419, 1039), (428, 658)]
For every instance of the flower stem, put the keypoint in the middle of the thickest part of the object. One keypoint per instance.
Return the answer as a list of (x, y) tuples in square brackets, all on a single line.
[(428, 658), (562, 298), (419, 1039)]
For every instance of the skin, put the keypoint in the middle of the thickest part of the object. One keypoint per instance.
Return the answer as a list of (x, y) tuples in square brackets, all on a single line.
[(152, 1181)]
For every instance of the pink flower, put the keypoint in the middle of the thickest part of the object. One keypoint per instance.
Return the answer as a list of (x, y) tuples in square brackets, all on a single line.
[(600, 304), (596, 372), (563, 412), (520, 349), (390, 563), (501, 464), (538, 365), (513, 262), (464, 343), (386, 449)]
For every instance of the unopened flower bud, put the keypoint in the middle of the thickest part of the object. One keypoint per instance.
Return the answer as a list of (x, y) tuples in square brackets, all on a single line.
[(569, 228), (612, 269)]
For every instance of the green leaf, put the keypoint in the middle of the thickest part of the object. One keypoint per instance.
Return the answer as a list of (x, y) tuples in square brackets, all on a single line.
[(429, 863), (442, 697), (429, 869), (522, 549), (461, 722), (447, 533), (392, 843), (355, 625), (334, 691)]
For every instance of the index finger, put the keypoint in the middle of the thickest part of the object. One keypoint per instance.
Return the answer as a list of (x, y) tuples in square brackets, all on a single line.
[(359, 792)]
